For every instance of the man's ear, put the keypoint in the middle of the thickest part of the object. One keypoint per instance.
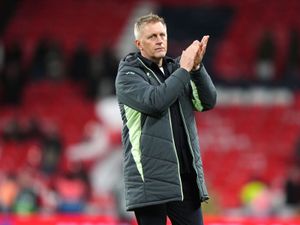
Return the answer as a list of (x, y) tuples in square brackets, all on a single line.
[(138, 44)]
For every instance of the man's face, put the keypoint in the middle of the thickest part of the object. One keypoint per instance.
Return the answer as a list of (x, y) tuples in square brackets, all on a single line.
[(153, 41)]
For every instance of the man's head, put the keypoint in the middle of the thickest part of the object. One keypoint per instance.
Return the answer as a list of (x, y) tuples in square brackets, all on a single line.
[(151, 37)]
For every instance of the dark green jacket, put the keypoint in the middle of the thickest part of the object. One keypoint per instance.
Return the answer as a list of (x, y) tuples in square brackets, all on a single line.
[(151, 168)]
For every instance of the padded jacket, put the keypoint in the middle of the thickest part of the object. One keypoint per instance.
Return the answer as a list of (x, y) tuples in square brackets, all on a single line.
[(151, 166)]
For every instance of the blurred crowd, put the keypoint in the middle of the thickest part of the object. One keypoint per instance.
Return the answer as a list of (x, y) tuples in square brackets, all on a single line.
[(269, 70), (41, 185), (82, 177), (94, 71), (277, 198)]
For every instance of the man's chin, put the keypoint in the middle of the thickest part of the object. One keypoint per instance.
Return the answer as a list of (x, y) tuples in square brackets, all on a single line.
[(160, 54)]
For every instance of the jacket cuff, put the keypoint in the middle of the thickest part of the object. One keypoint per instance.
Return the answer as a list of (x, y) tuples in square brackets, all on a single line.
[(198, 70), (182, 75)]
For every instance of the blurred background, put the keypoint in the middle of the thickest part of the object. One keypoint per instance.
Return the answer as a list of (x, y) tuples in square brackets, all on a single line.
[(60, 143)]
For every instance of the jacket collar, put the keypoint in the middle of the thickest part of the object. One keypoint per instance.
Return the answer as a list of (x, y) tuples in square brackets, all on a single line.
[(132, 59), (150, 63)]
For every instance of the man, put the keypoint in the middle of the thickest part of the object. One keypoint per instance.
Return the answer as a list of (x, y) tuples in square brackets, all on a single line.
[(157, 95)]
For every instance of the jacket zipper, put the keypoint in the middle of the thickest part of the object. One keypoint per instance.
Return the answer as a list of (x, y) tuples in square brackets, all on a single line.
[(173, 141), (191, 149)]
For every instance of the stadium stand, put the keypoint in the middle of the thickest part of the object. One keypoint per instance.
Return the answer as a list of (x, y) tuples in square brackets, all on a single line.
[(240, 139), (95, 22), (243, 36)]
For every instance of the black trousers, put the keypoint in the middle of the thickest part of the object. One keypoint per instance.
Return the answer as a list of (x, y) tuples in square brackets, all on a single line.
[(186, 212), (180, 213)]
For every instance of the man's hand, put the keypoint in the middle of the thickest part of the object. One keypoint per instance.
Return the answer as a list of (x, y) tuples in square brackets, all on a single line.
[(200, 52), (188, 56)]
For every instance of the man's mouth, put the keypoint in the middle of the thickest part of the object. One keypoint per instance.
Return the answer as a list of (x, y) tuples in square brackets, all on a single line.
[(160, 49)]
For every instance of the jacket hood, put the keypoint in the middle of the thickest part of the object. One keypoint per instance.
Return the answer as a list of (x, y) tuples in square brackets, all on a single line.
[(129, 60)]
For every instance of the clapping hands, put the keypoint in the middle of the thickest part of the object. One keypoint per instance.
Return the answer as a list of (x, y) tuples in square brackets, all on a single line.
[(192, 56)]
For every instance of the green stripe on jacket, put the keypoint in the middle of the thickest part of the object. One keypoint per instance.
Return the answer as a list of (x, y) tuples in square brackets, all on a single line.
[(196, 100), (134, 126)]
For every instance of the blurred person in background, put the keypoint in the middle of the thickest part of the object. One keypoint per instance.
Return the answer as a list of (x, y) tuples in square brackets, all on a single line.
[(256, 198), (12, 77), (33, 128), (13, 84), (72, 189), (55, 64), (100, 81), (296, 155), (12, 130), (109, 70), (9, 189), (157, 96), (14, 54), (80, 65), (16, 130), (51, 149), (27, 199), (292, 187), (292, 68), (265, 64), (38, 64)]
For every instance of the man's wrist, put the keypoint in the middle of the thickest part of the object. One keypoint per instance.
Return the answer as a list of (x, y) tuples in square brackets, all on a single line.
[(195, 68)]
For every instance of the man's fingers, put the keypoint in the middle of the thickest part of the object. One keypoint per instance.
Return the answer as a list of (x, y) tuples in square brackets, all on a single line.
[(192, 50), (205, 40), (194, 45), (203, 44), (196, 42), (190, 55)]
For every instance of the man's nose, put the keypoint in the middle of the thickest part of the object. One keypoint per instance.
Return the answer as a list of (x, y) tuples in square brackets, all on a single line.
[(159, 40)]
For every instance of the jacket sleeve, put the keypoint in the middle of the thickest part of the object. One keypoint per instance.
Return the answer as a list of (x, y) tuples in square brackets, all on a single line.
[(204, 91), (135, 91)]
